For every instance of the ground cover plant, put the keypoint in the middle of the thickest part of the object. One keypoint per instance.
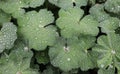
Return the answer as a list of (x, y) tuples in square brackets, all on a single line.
[(59, 36)]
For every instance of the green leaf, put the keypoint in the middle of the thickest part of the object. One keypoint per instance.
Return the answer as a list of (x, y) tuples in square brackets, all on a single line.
[(7, 36), (106, 71), (33, 26), (110, 25), (107, 50), (91, 2), (113, 6), (33, 3), (72, 23), (51, 70), (97, 11), (4, 17), (74, 55), (48, 71), (42, 57), (15, 7), (68, 3), (18, 61), (117, 63)]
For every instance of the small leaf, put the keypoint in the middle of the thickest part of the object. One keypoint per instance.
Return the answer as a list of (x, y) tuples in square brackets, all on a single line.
[(42, 57), (74, 55), (7, 36), (18, 61), (97, 11), (113, 6), (110, 25)]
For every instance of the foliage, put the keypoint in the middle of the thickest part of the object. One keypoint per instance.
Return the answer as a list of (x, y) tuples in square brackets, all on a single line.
[(59, 36)]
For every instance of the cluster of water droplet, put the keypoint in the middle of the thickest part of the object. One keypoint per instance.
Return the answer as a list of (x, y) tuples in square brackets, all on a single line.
[(8, 36)]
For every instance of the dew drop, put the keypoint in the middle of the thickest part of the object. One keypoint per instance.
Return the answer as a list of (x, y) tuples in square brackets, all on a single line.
[(36, 38), (40, 26), (18, 72), (20, 2), (101, 65), (112, 9), (111, 66), (26, 48), (86, 51), (118, 7), (113, 52), (73, 0), (66, 48), (68, 59), (40, 21)]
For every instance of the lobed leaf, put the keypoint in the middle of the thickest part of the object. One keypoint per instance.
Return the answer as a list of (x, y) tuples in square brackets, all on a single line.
[(113, 6), (72, 23), (108, 50), (34, 27), (15, 7), (18, 61), (74, 55)]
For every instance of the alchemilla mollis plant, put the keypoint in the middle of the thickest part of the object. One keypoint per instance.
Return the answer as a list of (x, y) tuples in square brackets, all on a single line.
[(59, 36)]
